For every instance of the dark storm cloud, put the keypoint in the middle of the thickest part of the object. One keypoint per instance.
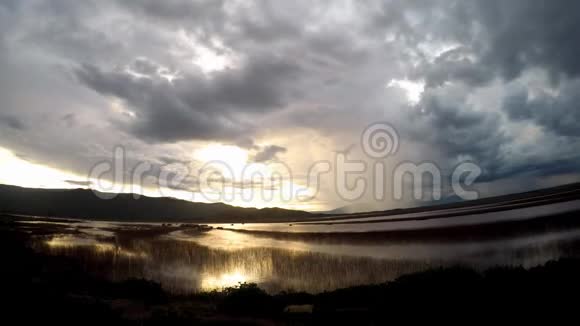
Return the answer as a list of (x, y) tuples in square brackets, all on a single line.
[(269, 153), (522, 34), (491, 41), (503, 39), (318, 67), (11, 122), (556, 113), (454, 64), (176, 10), (145, 67), (536, 167), (240, 26), (195, 106), (457, 129)]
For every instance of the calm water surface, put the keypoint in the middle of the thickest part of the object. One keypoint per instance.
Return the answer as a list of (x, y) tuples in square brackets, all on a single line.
[(189, 260)]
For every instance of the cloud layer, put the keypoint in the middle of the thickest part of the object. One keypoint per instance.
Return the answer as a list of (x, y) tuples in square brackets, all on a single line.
[(499, 81)]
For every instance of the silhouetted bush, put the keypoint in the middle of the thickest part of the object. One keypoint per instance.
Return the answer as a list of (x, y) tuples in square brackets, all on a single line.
[(248, 299), (148, 291)]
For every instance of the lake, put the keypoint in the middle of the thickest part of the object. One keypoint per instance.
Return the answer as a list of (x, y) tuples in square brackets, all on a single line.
[(312, 256)]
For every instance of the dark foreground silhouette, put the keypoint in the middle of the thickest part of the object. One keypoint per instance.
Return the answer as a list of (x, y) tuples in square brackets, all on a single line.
[(55, 290)]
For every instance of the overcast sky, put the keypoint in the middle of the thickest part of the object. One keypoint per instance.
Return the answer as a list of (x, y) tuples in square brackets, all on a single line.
[(494, 82)]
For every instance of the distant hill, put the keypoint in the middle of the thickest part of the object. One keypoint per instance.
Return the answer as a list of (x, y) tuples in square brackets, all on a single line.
[(355, 208), (546, 195), (84, 204), (368, 207)]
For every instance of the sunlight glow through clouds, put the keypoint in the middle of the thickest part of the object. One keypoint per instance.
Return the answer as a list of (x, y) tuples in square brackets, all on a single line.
[(117, 107), (413, 89), (250, 184), (16, 171), (205, 58), (211, 282), (208, 61), (234, 157)]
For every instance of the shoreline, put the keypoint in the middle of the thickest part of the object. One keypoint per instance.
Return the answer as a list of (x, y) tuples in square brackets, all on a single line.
[(54, 288)]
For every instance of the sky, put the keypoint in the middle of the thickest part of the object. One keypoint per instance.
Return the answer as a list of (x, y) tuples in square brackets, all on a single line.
[(286, 86)]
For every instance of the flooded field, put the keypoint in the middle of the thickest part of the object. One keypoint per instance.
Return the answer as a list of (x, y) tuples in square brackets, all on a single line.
[(314, 256)]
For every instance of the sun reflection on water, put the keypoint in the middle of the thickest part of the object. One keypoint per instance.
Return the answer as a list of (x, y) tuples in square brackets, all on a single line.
[(70, 242), (211, 282)]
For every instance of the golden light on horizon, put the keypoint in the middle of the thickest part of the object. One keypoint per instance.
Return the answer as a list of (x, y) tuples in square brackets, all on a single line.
[(242, 182), (233, 157), (240, 189), (16, 171), (210, 282)]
